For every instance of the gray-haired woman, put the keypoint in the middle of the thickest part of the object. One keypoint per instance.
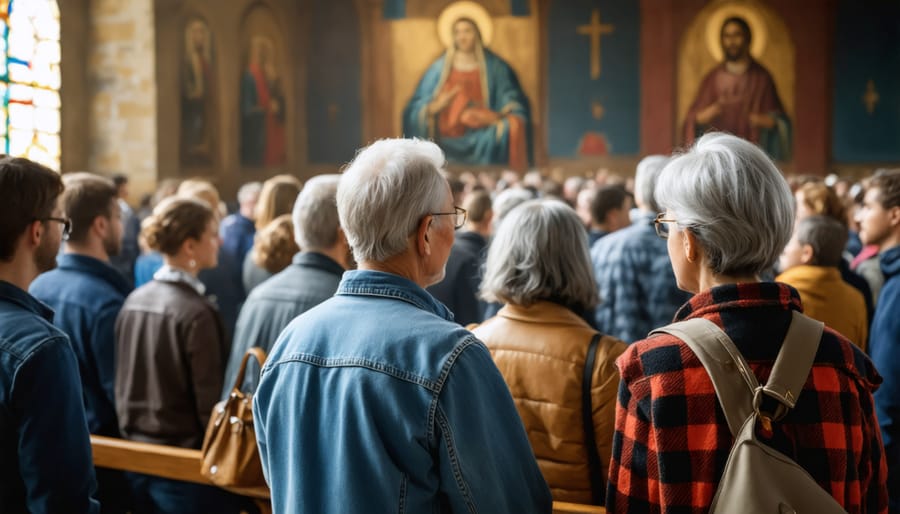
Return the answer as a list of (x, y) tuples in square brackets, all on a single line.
[(539, 266), (728, 215)]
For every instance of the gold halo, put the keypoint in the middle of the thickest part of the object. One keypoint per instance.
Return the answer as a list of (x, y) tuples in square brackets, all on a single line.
[(464, 9), (747, 12)]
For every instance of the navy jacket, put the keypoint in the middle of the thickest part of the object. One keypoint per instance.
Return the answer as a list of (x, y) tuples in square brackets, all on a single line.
[(45, 449), (86, 295), (237, 234), (884, 346), (310, 280), (459, 289)]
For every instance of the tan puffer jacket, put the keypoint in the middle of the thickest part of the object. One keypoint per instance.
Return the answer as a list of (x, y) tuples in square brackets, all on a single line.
[(541, 351)]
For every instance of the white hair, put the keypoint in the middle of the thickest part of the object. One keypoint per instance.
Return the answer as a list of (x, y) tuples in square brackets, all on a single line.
[(386, 191), (645, 181), (315, 213), (730, 195), (248, 191), (540, 252)]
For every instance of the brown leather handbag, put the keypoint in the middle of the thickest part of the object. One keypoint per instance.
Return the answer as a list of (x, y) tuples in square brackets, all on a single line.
[(230, 456)]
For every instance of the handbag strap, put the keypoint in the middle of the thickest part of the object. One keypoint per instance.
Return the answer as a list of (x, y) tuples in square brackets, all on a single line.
[(739, 393), (256, 352), (598, 482)]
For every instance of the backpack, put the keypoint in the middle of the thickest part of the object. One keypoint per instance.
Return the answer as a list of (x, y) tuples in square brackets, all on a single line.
[(758, 478)]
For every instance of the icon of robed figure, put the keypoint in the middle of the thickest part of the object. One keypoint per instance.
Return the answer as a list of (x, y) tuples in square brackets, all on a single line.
[(470, 102), (739, 96)]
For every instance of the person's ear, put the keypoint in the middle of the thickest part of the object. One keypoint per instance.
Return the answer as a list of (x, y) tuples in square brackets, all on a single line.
[(894, 216), (422, 243), (34, 233), (101, 225), (691, 245), (807, 255)]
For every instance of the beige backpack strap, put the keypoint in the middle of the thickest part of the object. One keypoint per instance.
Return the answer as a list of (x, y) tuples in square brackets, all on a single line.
[(732, 378), (793, 364), (257, 353)]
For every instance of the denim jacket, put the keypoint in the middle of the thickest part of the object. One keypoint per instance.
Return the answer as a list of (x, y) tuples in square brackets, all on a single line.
[(44, 446), (375, 401), (87, 295)]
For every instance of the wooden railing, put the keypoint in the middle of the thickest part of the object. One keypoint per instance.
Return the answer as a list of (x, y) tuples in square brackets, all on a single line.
[(184, 464)]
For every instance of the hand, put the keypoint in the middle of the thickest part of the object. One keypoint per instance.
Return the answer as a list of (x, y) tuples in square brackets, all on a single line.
[(477, 117), (766, 121), (443, 100), (711, 112)]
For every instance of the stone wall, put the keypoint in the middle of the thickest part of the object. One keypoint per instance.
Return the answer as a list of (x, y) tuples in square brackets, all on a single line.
[(121, 83)]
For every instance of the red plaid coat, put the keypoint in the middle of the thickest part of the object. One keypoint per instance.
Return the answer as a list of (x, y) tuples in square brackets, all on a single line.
[(671, 439)]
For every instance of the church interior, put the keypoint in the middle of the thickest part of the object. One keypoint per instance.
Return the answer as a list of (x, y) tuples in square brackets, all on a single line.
[(160, 89)]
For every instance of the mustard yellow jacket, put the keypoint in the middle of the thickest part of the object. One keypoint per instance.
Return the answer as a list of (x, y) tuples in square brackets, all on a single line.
[(540, 351), (826, 297)]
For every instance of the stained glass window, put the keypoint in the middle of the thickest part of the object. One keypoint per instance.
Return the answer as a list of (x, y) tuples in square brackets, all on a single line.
[(30, 80)]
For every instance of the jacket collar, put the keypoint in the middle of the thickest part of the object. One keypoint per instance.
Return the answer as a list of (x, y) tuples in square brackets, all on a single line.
[(318, 261), (89, 265), (472, 237), (542, 312), (890, 262), (12, 294), (738, 296), (388, 285), (178, 276), (804, 274)]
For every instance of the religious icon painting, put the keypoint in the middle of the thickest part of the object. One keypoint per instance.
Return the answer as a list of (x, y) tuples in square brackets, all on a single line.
[(198, 95), (469, 100), (742, 55), (262, 103)]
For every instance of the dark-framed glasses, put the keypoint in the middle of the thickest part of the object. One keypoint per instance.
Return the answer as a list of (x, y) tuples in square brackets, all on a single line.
[(67, 225), (662, 225), (459, 213)]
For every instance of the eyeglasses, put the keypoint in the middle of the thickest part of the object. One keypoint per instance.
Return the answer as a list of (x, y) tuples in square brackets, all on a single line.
[(661, 224), (67, 225), (460, 214)]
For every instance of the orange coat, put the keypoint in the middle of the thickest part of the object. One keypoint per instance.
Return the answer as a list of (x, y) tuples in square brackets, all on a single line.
[(541, 351)]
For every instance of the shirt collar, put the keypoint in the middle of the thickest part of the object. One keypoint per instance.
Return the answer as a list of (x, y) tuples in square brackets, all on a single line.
[(890, 261), (171, 274), (739, 296), (12, 294), (87, 264), (319, 261), (388, 285)]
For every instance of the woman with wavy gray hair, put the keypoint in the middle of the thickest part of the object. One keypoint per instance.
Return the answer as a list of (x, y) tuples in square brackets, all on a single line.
[(538, 265), (728, 213)]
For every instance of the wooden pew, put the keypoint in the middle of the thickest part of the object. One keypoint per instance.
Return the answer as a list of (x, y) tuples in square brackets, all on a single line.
[(184, 464)]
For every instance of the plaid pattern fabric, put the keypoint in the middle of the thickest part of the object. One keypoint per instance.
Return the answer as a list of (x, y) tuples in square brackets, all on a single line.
[(637, 286), (671, 439)]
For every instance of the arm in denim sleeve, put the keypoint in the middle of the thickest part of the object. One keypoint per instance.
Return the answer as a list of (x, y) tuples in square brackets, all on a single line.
[(103, 347), (486, 463), (54, 446)]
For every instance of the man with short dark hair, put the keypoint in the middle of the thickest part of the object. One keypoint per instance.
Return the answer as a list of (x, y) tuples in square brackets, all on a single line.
[(44, 444), (610, 206), (809, 264), (879, 221), (459, 289), (87, 293)]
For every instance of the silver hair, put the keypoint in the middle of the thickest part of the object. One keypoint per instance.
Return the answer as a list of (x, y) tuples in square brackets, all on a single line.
[(386, 191), (248, 190), (507, 200), (540, 252), (646, 177), (315, 213), (730, 195)]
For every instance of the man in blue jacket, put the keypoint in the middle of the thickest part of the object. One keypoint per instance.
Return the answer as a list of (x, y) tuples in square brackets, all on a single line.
[(879, 222), (87, 293), (374, 400), (44, 444)]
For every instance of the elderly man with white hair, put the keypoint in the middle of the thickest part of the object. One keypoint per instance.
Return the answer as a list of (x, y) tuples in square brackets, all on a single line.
[(309, 280), (634, 277), (728, 215), (375, 401)]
